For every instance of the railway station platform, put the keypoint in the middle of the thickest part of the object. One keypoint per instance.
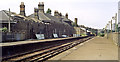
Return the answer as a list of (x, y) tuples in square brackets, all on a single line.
[(35, 41), (14, 48), (97, 48)]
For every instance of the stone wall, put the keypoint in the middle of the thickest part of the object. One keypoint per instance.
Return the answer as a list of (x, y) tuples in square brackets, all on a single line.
[(29, 28), (114, 37)]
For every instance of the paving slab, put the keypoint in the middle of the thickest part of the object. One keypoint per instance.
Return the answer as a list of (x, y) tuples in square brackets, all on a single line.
[(98, 48)]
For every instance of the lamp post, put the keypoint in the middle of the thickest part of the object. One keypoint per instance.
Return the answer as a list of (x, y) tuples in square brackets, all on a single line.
[(115, 18), (46, 27), (107, 29), (116, 22), (111, 26), (9, 22), (109, 23)]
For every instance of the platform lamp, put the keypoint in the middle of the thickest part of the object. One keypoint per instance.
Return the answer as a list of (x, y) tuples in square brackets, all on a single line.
[(105, 29), (46, 27), (107, 26), (9, 21), (111, 26), (116, 22)]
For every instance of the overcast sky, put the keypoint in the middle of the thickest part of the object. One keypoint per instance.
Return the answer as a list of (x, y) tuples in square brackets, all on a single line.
[(91, 13)]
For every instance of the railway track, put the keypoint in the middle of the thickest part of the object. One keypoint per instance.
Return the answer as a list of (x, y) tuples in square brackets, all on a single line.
[(44, 54)]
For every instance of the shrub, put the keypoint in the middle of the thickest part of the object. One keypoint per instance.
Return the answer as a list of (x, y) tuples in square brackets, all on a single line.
[(4, 29), (102, 34)]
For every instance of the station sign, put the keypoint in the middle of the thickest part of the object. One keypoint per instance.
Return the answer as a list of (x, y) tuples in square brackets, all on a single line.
[(64, 35), (55, 35), (40, 36)]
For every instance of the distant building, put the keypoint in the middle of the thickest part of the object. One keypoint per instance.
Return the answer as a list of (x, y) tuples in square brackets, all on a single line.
[(78, 29)]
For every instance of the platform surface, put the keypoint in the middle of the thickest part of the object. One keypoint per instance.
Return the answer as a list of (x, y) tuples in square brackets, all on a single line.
[(98, 48), (31, 41)]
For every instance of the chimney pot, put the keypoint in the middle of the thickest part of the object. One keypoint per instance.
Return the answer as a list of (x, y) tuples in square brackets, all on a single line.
[(41, 7), (22, 3), (60, 14)]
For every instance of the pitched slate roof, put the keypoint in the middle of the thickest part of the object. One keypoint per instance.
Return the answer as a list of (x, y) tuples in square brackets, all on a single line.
[(4, 17), (41, 16), (53, 18), (65, 19)]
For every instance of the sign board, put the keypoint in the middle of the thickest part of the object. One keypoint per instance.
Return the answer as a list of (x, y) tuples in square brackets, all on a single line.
[(64, 35), (76, 35), (55, 35), (119, 24), (40, 36)]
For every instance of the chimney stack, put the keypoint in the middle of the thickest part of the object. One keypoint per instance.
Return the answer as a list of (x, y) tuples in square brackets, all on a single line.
[(76, 20), (22, 9), (41, 7), (36, 13), (56, 14), (66, 15), (60, 14)]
